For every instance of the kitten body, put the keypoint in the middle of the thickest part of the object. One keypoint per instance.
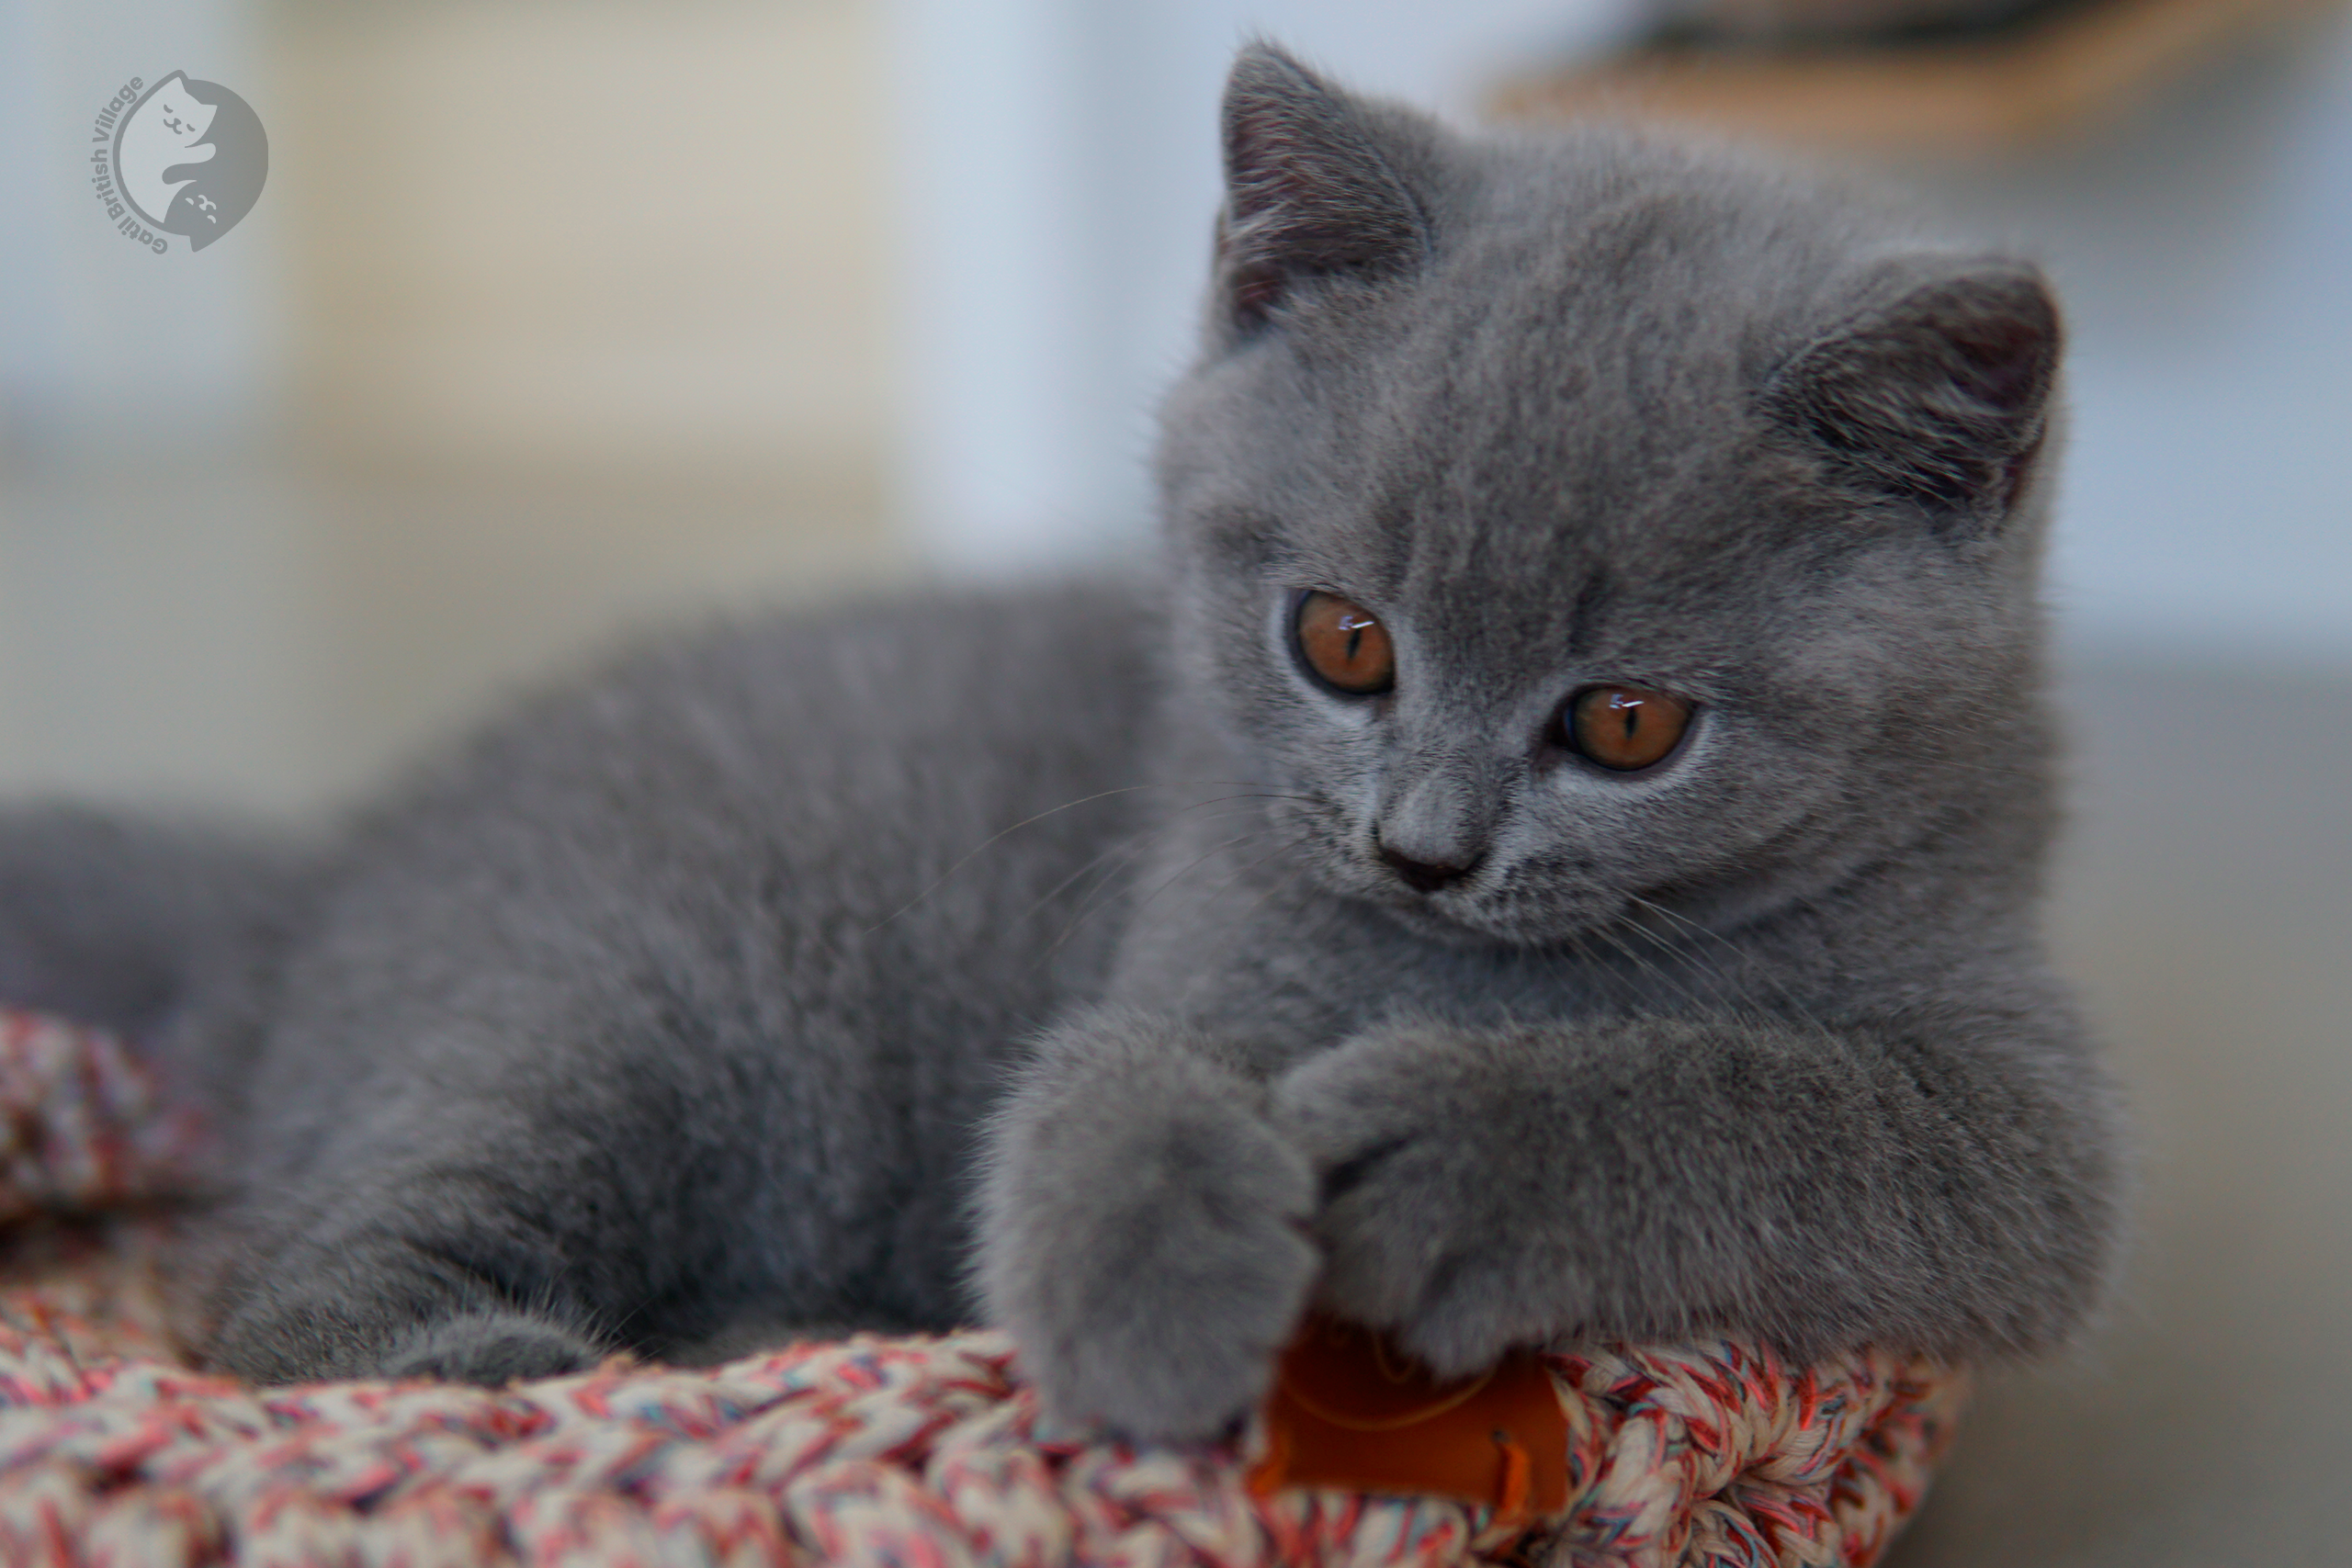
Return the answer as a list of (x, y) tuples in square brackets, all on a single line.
[(769, 978)]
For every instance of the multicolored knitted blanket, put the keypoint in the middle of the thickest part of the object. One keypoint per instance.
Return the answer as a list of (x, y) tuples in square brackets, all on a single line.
[(906, 1451)]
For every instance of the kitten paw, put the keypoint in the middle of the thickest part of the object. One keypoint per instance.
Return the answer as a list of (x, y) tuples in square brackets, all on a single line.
[(490, 1348), (1439, 1220), (1148, 1256)]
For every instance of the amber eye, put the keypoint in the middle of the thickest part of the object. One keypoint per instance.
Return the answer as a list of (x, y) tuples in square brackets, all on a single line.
[(1348, 650), (1625, 728)]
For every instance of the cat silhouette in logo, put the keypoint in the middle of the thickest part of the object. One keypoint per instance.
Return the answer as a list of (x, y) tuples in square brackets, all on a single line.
[(191, 158)]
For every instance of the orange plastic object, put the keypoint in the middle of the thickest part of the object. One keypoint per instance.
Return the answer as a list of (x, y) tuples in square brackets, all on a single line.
[(1351, 1410)]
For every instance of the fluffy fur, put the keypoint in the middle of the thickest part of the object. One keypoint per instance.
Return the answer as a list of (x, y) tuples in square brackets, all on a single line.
[(764, 981)]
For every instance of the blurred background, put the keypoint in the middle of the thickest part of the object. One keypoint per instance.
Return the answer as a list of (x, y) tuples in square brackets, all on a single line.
[(558, 319)]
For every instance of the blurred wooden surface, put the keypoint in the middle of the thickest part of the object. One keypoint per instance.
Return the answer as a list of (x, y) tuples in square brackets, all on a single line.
[(2069, 71)]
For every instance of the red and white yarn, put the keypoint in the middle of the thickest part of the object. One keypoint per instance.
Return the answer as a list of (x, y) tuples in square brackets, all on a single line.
[(82, 1127), (913, 1452)]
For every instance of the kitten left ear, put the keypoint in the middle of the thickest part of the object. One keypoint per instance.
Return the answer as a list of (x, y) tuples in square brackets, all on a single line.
[(1940, 398), (1310, 190)]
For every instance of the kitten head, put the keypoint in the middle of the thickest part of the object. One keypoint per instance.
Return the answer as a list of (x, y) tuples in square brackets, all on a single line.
[(1576, 522)]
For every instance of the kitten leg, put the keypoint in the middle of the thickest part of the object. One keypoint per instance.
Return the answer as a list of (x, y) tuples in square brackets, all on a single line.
[(412, 1275), (307, 1329), (1142, 1228), (1942, 1183)]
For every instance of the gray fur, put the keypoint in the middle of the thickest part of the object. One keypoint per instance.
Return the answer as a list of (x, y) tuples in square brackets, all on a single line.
[(691, 1004), (164, 931)]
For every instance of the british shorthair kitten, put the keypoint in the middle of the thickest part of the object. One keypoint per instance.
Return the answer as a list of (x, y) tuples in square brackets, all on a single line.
[(1554, 853)]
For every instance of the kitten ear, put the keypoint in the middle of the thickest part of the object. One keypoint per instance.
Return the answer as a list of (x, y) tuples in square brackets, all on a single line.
[(1940, 398), (1309, 190)]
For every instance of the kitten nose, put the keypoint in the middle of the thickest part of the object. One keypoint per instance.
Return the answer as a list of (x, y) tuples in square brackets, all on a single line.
[(1422, 875), (1432, 831)]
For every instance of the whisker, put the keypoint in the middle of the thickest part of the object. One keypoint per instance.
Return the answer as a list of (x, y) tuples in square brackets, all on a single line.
[(1128, 845), (1095, 901), (1267, 896), (1719, 986), (1679, 987), (997, 837), (1243, 871), (1747, 960), (1079, 918), (1002, 833)]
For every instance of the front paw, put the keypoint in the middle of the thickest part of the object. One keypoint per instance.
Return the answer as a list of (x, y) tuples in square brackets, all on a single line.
[(1144, 1242), (1442, 1210)]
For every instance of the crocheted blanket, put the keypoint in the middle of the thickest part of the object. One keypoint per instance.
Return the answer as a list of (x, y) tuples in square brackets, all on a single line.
[(913, 1452)]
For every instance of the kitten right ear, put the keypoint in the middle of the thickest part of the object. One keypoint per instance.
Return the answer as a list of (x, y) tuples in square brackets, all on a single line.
[(1939, 397), (1308, 191)]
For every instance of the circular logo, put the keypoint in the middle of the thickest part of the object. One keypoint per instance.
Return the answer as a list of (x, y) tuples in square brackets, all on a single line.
[(189, 158)]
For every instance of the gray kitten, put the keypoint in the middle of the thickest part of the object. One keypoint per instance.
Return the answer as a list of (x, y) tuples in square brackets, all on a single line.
[(1554, 854)]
